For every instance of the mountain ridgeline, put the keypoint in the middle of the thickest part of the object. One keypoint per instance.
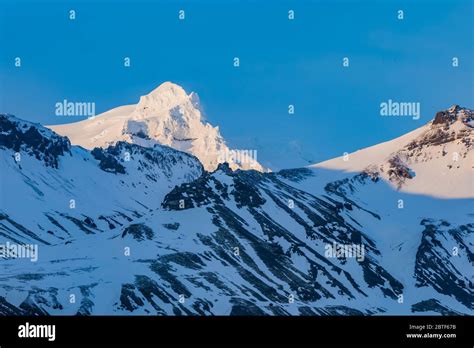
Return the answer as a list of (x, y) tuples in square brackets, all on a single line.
[(134, 228)]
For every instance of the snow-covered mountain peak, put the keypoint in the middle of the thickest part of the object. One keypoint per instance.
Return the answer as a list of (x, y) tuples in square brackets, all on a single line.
[(168, 88), (170, 102), (165, 97), (167, 116), (435, 159), (452, 126), (452, 115)]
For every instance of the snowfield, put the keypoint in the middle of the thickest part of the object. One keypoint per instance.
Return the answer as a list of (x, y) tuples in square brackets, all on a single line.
[(132, 223)]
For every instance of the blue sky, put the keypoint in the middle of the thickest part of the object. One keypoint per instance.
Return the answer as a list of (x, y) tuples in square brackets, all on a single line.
[(282, 62)]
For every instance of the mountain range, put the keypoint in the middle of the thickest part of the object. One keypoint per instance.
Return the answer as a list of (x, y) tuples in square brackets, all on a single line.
[(138, 217)]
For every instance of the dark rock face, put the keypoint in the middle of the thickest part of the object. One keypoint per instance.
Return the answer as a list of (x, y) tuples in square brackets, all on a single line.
[(172, 226), (322, 221), (223, 167), (43, 144), (435, 137), (399, 171), (295, 175), (139, 232), (107, 162), (441, 132), (433, 305), (452, 114), (244, 191), (7, 309), (243, 308), (435, 264), (444, 117), (148, 160), (32, 305)]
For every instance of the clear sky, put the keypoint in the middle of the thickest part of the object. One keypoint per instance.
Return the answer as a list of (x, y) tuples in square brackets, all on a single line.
[(282, 62)]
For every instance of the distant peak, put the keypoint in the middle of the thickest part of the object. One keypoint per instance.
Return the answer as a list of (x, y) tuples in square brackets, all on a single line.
[(168, 88), (454, 108), (451, 115), (165, 97)]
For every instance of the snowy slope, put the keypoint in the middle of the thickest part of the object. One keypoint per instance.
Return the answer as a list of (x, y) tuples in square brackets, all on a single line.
[(167, 116), (107, 190), (220, 243), (436, 159)]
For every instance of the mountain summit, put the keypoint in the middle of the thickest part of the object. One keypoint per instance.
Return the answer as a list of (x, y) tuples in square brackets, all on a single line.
[(167, 116), (435, 159)]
